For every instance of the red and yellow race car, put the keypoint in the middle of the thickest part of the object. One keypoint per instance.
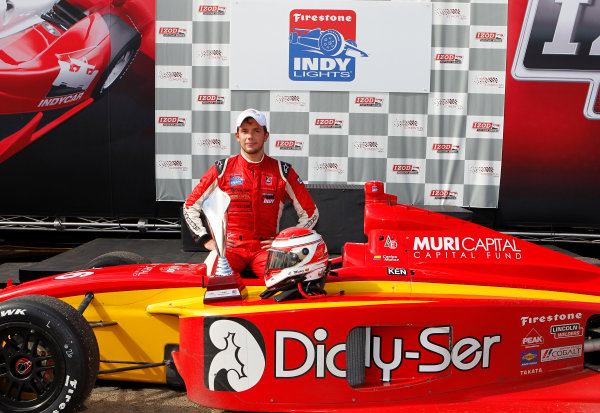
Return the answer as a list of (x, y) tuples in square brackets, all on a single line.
[(430, 313)]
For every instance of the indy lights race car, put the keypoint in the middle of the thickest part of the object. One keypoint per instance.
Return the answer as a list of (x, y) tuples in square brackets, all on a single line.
[(431, 312)]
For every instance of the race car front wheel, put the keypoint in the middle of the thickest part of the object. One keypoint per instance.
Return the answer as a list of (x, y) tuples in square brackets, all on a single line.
[(48, 356), (114, 258), (125, 42)]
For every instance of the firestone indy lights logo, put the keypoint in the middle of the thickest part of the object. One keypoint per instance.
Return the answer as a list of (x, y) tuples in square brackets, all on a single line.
[(323, 45), (234, 354), (560, 40)]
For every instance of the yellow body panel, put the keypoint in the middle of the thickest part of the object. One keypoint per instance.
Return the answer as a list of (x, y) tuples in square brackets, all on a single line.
[(138, 336)]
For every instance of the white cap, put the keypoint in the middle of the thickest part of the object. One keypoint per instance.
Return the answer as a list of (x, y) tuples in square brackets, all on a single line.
[(258, 116)]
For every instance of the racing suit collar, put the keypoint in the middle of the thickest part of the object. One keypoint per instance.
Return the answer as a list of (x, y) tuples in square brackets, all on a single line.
[(249, 161)]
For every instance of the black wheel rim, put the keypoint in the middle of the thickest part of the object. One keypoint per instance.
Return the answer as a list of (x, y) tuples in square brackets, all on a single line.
[(32, 368)]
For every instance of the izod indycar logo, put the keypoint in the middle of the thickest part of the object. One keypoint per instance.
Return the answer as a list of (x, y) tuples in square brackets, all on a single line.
[(465, 247), (211, 99), (486, 127), (172, 32), (560, 40), (489, 37), (212, 10), (443, 194), (445, 148), (446, 58), (291, 145), (171, 121), (323, 45), (428, 356), (329, 123), (369, 101), (406, 169)]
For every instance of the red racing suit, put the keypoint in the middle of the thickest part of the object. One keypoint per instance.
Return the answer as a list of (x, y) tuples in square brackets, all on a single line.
[(258, 191)]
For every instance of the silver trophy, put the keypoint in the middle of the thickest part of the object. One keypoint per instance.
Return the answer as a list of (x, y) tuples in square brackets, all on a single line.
[(215, 208)]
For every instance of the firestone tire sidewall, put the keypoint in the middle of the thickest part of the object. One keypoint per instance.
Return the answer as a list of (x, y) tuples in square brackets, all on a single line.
[(68, 387)]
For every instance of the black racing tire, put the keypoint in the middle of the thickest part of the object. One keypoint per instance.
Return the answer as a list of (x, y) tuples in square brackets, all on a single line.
[(125, 42), (114, 258), (48, 356)]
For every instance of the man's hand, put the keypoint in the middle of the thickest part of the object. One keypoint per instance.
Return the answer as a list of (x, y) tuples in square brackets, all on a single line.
[(210, 245), (266, 244)]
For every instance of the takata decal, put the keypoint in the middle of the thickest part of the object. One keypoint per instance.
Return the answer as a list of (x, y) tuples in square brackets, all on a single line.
[(323, 45), (234, 354), (560, 40)]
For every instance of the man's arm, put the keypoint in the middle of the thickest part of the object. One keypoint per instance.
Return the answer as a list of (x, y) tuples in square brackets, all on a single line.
[(305, 207), (192, 207)]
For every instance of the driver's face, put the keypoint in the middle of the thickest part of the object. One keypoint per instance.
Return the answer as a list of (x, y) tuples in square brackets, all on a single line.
[(252, 137)]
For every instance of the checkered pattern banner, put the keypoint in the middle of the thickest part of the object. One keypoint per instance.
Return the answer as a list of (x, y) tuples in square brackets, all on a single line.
[(438, 148)]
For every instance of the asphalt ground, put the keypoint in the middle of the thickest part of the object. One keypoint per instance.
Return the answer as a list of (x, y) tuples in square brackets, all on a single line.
[(117, 397)]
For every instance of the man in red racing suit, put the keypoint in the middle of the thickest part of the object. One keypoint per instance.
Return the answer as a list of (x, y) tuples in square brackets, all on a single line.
[(258, 186)]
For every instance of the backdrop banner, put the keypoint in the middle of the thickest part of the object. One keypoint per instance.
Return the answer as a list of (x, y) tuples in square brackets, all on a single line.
[(318, 70)]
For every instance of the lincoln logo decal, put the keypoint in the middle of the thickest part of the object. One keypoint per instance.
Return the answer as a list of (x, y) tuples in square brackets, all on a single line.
[(234, 354), (323, 45), (560, 40)]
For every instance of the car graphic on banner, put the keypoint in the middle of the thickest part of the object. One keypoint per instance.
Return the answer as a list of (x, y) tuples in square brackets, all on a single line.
[(323, 45), (56, 54)]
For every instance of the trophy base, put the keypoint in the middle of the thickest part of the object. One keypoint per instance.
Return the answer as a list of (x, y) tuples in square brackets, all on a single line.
[(224, 288)]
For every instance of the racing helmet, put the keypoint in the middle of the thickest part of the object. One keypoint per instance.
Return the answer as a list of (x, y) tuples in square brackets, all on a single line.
[(297, 255)]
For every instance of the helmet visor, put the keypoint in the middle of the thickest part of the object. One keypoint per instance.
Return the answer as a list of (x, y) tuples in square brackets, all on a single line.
[(277, 260)]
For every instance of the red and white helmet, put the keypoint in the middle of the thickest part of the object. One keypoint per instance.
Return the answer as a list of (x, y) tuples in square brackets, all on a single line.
[(296, 255)]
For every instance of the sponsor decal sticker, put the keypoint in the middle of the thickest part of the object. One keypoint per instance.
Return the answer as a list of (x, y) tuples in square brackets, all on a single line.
[(60, 100), (531, 371), (390, 243), (566, 330), (550, 317), (532, 339), (465, 248), (234, 354), (465, 354), (396, 271), (530, 357), (561, 353), (323, 45), (236, 180)]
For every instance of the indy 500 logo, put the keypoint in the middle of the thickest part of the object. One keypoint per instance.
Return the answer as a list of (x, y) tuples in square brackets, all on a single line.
[(560, 40), (323, 45)]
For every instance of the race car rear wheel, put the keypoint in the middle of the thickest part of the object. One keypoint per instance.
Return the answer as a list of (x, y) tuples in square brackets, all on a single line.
[(125, 42), (331, 42), (48, 356), (111, 259)]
